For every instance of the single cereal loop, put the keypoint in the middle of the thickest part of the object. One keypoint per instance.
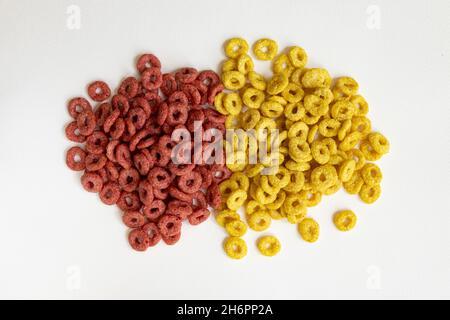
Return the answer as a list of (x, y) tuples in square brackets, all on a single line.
[(99, 91), (269, 246), (309, 230), (232, 103), (244, 64), (236, 199), (73, 133), (257, 80), (259, 221), (236, 228), (298, 57), (235, 247), (346, 170), (133, 219), (236, 47), (316, 78), (233, 80), (347, 85), (147, 61), (371, 174), (265, 49), (282, 65), (354, 185), (199, 216), (92, 182), (370, 194), (110, 193), (277, 84), (78, 105), (138, 240), (378, 142), (345, 220), (253, 98)]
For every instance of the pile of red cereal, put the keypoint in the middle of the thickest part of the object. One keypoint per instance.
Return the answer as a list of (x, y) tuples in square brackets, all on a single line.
[(128, 155)]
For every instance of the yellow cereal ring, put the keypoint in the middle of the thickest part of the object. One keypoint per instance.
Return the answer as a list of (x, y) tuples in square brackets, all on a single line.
[(265, 49), (269, 246), (297, 166), (278, 99), (347, 85), (226, 216), (232, 103), (342, 110), (296, 76), (344, 129), (229, 65), (254, 170), (266, 124), (296, 182), (323, 177), (325, 94), (293, 93), (320, 152), (361, 105), (329, 127), (315, 105), (235, 247), (350, 141), (316, 78), (345, 220), (283, 65), (253, 206), (354, 185), (244, 64), (379, 142), (331, 145), (259, 221), (267, 186), (236, 228), (257, 80), (294, 204), (358, 156), (241, 179), (309, 119), (299, 150), (346, 170), (333, 189), (282, 178), (368, 151), (370, 194), (253, 98), (271, 109), (235, 47), (312, 135), (277, 84), (281, 197), (294, 111), (276, 215), (309, 230), (361, 125), (218, 103), (298, 130), (264, 197), (298, 57), (371, 174), (311, 198), (233, 80), (227, 187), (250, 118), (339, 95)]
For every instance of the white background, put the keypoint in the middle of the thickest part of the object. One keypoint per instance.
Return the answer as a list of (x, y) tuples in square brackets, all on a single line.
[(58, 241)]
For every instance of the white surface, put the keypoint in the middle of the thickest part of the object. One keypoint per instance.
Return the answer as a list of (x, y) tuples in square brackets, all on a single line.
[(57, 241)]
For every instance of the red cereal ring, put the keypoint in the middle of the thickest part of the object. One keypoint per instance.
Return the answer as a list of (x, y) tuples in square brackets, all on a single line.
[(110, 193), (146, 142), (138, 240), (86, 123), (147, 61), (213, 92), (129, 87), (137, 117), (131, 129), (178, 97), (111, 171), (177, 114), (103, 174), (165, 144), (97, 142), (153, 234), (73, 134), (181, 168), (161, 159), (99, 91), (127, 135), (133, 219), (145, 191), (123, 156), (120, 102), (129, 201), (78, 105), (143, 104), (110, 120), (213, 196), (159, 178), (95, 162), (169, 225), (117, 129), (213, 116), (186, 75), (180, 195), (155, 129), (192, 93), (220, 172), (195, 118), (171, 240), (209, 78), (155, 210), (163, 112), (199, 216), (151, 78), (153, 100), (102, 112), (111, 150), (169, 84), (160, 194), (178, 208), (207, 177), (76, 159), (190, 182), (141, 163), (129, 179), (199, 200)]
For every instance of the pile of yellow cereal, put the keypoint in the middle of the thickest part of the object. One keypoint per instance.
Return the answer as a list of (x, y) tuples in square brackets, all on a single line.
[(325, 141)]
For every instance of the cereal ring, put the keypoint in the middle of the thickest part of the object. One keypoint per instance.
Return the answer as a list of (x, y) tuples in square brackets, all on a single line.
[(361, 125), (95, 162), (91, 182), (159, 178), (236, 228), (138, 240), (257, 80), (354, 185), (153, 234), (259, 221), (371, 174), (73, 133), (271, 109), (293, 93), (358, 156), (129, 87), (282, 65), (347, 85), (117, 130), (265, 49), (155, 210), (226, 216), (244, 64), (233, 80), (315, 106), (86, 123), (119, 102), (97, 143), (361, 105), (177, 114), (99, 91), (298, 57), (199, 216), (110, 120), (137, 117), (171, 240), (123, 156), (323, 177), (294, 111), (368, 152), (235, 247), (151, 78), (186, 75), (178, 194), (269, 246), (253, 98), (235, 47), (236, 199), (350, 141), (192, 93), (180, 209), (213, 196), (110, 193), (316, 78), (147, 61), (329, 127), (129, 201), (345, 220), (277, 84), (77, 106), (133, 219), (309, 230), (145, 191), (346, 170), (250, 118), (378, 142), (232, 103), (169, 225), (169, 84), (342, 110), (370, 194)]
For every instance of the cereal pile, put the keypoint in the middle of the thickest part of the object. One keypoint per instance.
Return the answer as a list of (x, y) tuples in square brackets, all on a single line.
[(127, 154), (324, 141)]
